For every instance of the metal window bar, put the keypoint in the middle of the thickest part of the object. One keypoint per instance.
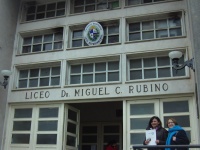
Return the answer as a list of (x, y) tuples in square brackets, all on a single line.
[(139, 147)]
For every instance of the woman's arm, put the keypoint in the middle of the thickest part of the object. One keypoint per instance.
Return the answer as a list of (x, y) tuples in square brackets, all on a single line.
[(181, 138), (162, 141)]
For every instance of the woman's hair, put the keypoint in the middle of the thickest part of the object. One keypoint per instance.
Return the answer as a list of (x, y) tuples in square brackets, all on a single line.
[(172, 119), (149, 124), (112, 142)]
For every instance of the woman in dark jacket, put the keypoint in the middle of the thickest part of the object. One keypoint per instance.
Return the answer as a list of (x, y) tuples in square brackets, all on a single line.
[(177, 135), (161, 133)]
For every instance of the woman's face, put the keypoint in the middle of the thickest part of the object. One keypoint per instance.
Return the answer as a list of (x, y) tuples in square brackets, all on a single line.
[(170, 123), (155, 123)]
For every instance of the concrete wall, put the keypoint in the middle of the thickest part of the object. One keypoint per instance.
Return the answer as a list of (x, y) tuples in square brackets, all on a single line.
[(8, 19), (194, 12)]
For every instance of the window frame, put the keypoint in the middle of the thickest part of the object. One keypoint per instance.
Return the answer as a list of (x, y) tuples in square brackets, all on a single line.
[(39, 67), (107, 24), (153, 18), (59, 30), (25, 6)]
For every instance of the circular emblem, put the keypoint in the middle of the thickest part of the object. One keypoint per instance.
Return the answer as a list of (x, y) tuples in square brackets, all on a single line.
[(93, 33)]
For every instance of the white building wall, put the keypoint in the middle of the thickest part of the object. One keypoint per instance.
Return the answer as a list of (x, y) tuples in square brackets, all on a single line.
[(8, 17)]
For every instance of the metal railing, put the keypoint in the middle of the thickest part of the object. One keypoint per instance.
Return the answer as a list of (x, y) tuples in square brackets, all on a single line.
[(139, 147)]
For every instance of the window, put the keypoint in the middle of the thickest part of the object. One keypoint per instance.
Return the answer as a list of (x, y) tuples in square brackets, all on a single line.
[(45, 42), (153, 67), (111, 35), (79, 6), (94, 72), (136, 2), (161, 28), (36, 12), (39, 77)]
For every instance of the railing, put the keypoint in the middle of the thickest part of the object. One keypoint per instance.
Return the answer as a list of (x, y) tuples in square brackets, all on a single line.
[(139, 147)]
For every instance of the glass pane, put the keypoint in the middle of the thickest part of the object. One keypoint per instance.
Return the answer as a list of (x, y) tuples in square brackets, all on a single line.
[(147, 25), (41, 8), (48, 112), (147, 1), (174, 107), (46, 138), (21, 125), (55, 81), (141, 109), (113, 39), (50, 14), (75, 79), (72, 115), (77, 34), (87, 68), (149, 62), (55, 71), (37, 48), (23, 74), (78, 9), (114, 4), (149, 73), (60, 5), (47, 47), (51, 6), (107, 138), (134, 27), (175, 32), (71, 128), (30, 17), (134, 2), (33, 83), (40, 16), (76, 43), (138, 123), (78, 2), (137, 138), (44, 81), (89, 1), (100, 66), (58, 36), (75, 68), (161, 33), (23, 113), (101, 6), (163, 61), (90, 8), (113, 29), (48, 38), (26, 49), (60, 12), (135, 74), (45, 72), (88, 78), (183, 121), (134, 36), (31, 9), (89, 139), (71, 141), (47, 125), (161, 24), (20, 138), (135, 63), (23, 83), (57, 45), (147, 35), (164, 72), (89, 129), (174, 22), (111, 129), (113, 76), (27, 40), (89, 147), (113, 65), (101, 77), (37, 39), (34, 72), (180, 72)]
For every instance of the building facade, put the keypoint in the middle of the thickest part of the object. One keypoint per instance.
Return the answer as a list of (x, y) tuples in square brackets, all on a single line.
[(66, 93)]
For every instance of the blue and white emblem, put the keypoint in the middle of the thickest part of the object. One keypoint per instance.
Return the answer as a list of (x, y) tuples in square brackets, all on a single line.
[(93, 33)]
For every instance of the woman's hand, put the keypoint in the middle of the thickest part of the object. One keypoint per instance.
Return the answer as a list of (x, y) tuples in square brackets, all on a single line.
[(174, 138), (157, 141), (146, 142)]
